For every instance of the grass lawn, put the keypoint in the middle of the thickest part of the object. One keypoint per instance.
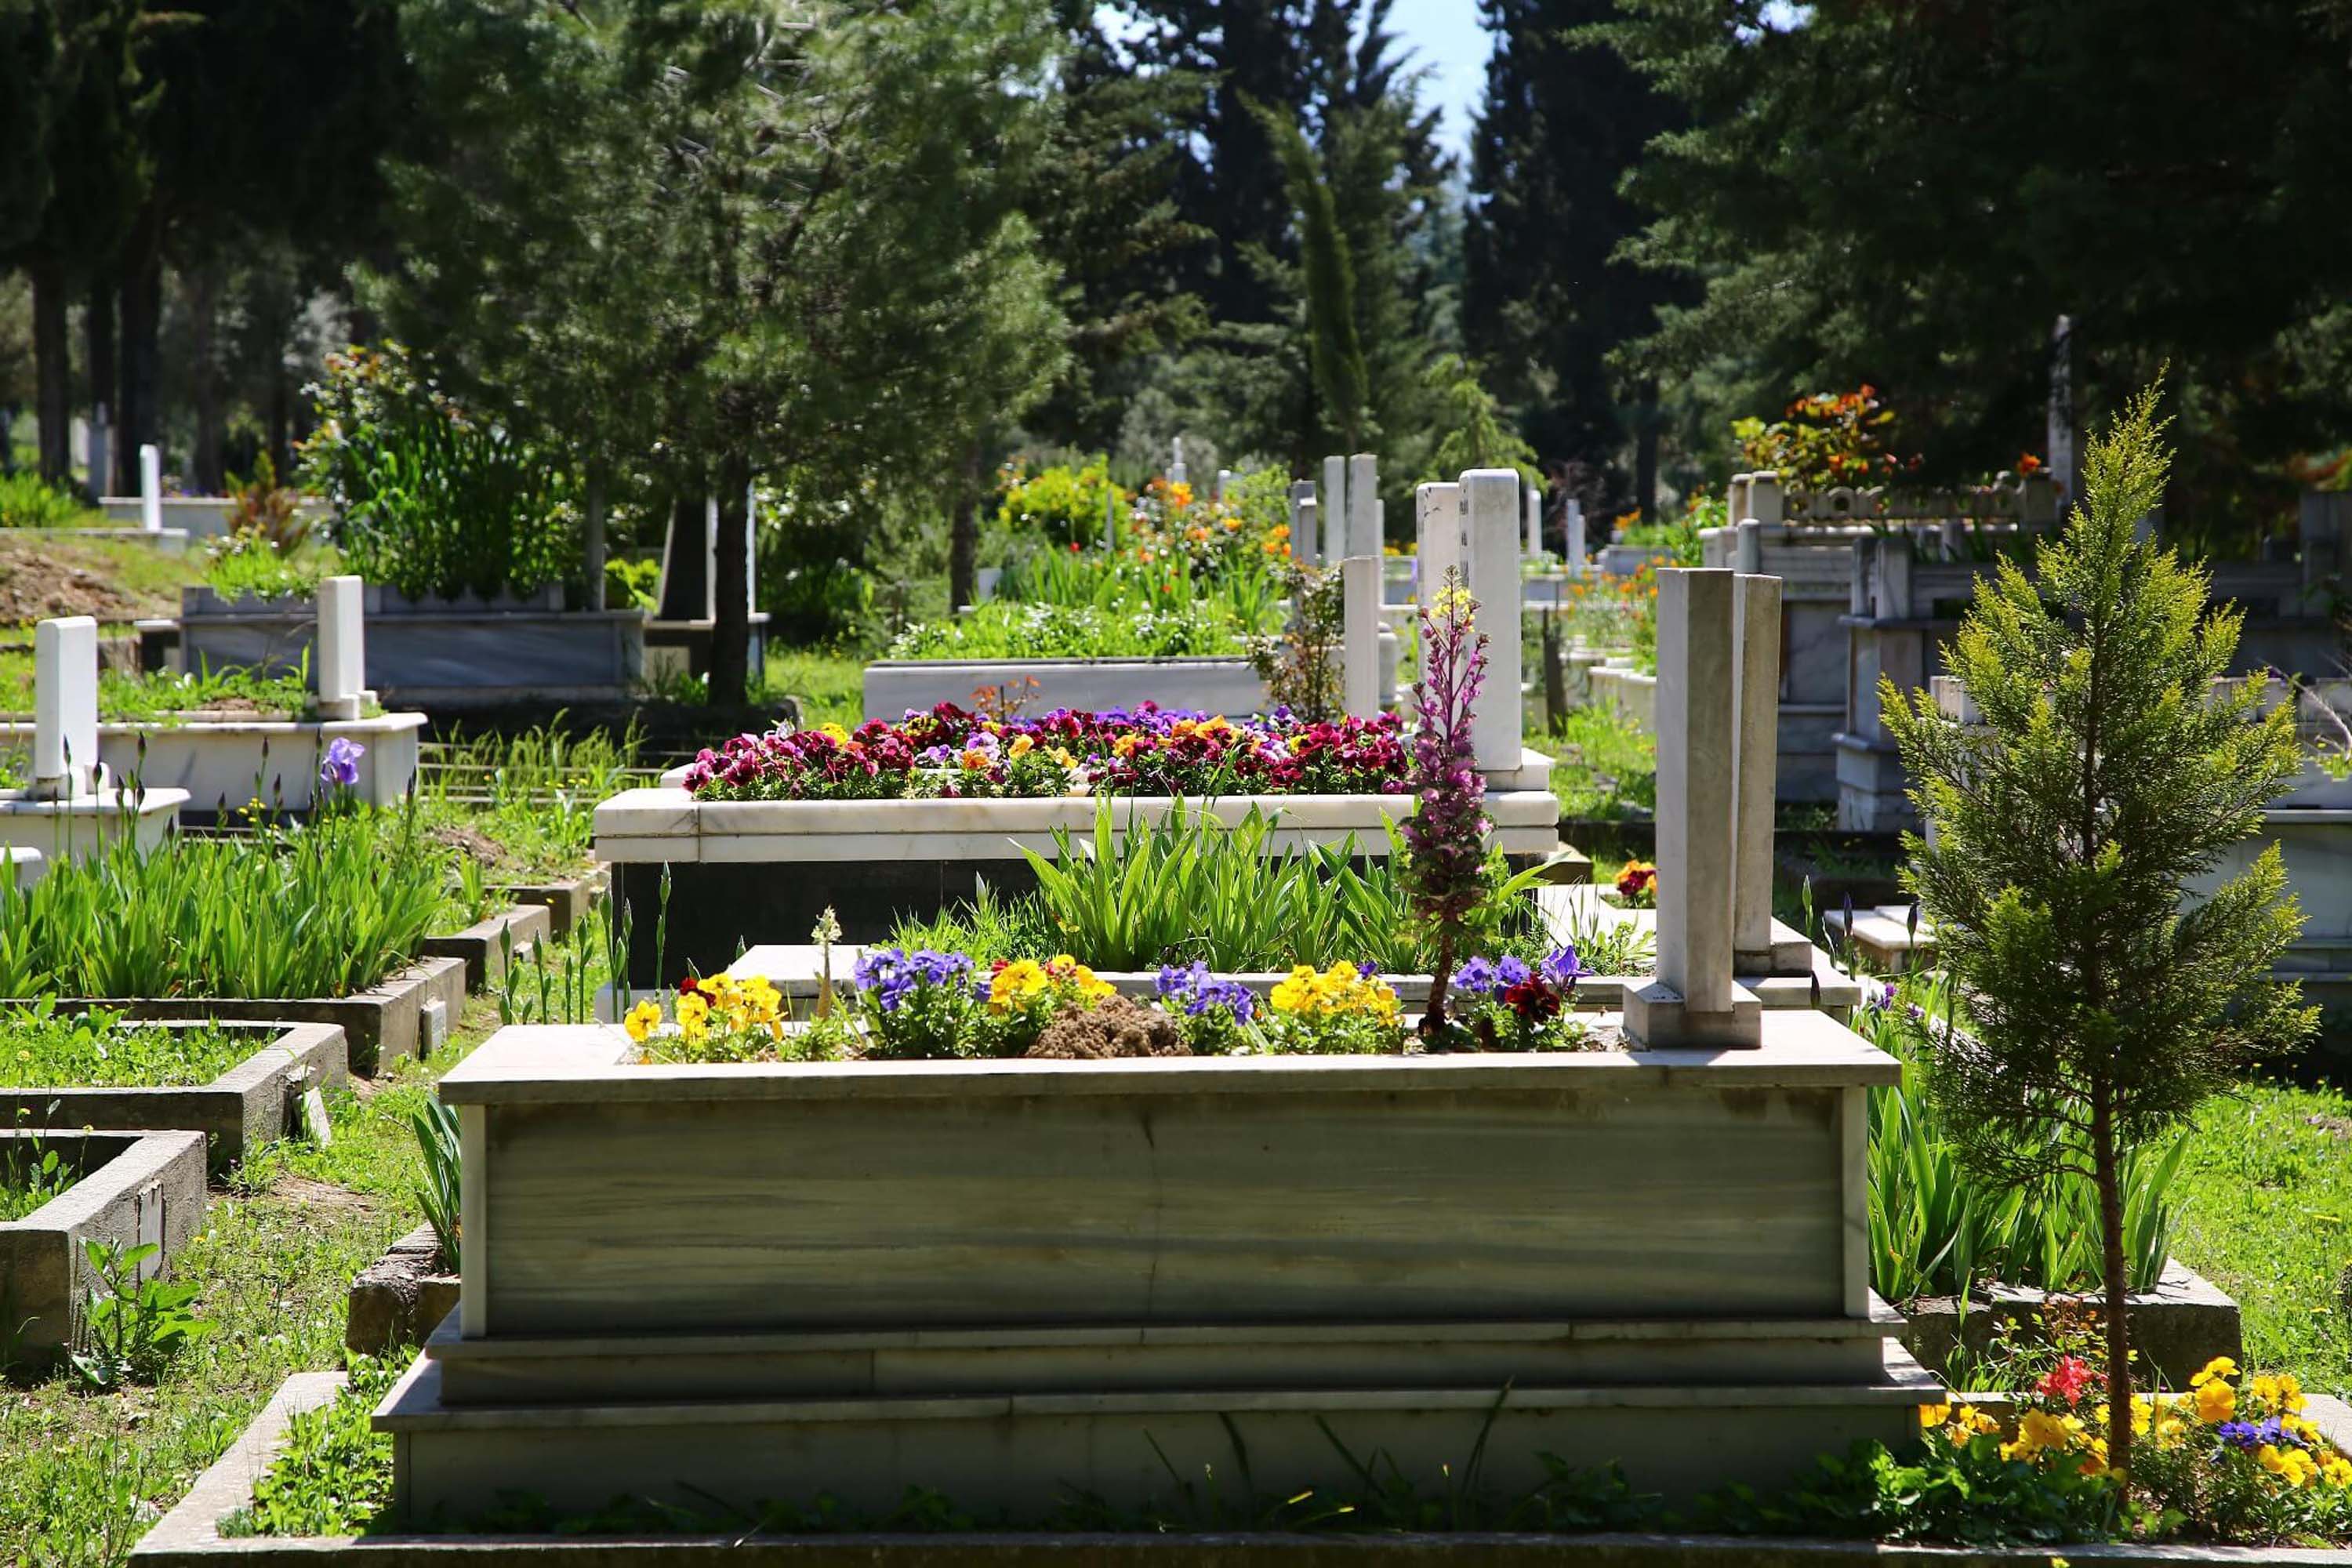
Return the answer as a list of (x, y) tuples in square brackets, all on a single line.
[(2266, 1213), (83, 1476), (1602, 766), (830, 685)]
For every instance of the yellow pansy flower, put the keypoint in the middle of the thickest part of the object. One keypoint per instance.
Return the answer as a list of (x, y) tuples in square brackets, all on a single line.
[(2216, 1401), (643, 1020)]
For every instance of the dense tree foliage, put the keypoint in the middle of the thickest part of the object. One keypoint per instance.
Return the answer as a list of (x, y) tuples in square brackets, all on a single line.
[(1909, 194)]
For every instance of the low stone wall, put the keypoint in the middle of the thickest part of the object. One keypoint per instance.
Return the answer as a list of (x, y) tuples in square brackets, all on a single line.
[(134, 1189)]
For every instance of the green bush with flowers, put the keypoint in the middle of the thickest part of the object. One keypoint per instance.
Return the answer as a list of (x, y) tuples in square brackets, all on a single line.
[(1065, 503), (1824, 439)]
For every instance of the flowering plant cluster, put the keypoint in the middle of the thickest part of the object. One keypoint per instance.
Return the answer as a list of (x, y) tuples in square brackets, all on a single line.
[(339, 765), (1509, 1004), (1445, 837), (1246, 533), (1213, 1014), (1824, 439), (2232, 1458), (716, 1020), (1637, 884), (1345, 1010), (951, 753), (927, 1004)]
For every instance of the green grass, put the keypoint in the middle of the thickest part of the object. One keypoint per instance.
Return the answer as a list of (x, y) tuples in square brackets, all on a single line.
[(31, 1173), (83, 1477), (1602, 766), (98, 1051), (830, 685), (2266, 1213)]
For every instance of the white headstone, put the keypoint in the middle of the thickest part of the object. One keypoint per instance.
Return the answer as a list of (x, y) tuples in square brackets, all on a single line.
[(1533, 496), (1756, 621), (151, 488), (1360, 605), (751, 551), (1693, 1001), (101, 450), (1767, 502), (1490, 500), (1176, 462), (342, 648), (65, 708), (1437, 538), (1747, 546), (1332, 509), (1308, 526), (1302, 536), (1576, 558), (1365, 524), (1224, 483), (1110, 521)]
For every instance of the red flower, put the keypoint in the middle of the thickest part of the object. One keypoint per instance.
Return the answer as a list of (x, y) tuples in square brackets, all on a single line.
[(2066, 1381)]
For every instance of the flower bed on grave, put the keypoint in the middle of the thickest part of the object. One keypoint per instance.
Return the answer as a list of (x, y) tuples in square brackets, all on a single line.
[(952, 753)]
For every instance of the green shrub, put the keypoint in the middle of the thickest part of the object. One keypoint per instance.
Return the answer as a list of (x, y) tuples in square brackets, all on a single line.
[(323, 910), (25, 501), (1064, 503), (434, 499)]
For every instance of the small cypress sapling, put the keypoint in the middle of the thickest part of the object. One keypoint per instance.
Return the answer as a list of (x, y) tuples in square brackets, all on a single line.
[(2111, 767), (1445, 837)]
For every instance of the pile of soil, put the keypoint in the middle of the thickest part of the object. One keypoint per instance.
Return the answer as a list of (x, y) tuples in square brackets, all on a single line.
[(38, 583)]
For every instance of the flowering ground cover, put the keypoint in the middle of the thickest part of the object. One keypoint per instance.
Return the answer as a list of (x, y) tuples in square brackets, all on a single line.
[(40, 1049), (950, 753), (902, 1005)]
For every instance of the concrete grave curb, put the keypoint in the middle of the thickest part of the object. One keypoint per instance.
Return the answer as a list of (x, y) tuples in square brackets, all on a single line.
[(408, 1014), (482, 946), (134, 1188), (189, 1537), (244, 1108)]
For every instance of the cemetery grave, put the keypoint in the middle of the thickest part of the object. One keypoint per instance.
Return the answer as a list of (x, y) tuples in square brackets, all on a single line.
[(1175, 785)]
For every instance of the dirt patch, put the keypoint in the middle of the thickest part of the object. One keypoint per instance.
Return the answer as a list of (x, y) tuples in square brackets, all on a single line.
[(2333, 1126), (38, 582), (470, 842), (316, 1194)]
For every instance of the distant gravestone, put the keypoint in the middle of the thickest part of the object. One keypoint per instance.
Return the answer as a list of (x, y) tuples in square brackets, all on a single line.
[(1359, 602), (65, 708), (342, 648), (1490, 500), (1364, 523)]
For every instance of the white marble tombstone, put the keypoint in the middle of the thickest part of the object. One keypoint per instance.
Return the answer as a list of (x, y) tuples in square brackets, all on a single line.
[(1532, 497), (151, 488), (1176, 462), (1437, 529), (1490, 499), (1359, 600), (1756, 681), (342, 674), (1576, 561), (65, 708), (1302, 537), (1331, 541), (1694, 1001), (1365, 527)]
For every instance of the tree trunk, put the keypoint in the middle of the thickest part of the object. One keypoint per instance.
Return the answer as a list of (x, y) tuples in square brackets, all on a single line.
[(1441, 975), (52, 369), (1645, 452), (281, 420), (730, 626), (963, 534), (592, 530), (138, 421), (201, 285), (105, 402), (2105, 1164)]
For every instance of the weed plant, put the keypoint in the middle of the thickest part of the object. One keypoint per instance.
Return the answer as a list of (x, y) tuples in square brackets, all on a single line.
[(1190, 887), (533, 796), (321, 910), (42, 1048), (1936, 1230), (32, 1172), (28, 501)]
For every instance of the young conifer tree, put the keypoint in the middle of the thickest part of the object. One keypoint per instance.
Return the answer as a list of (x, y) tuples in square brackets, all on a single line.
[(2112, 767)]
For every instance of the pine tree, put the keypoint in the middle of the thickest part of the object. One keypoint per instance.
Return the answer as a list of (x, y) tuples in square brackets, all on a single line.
[(1547, 298), (2112, 767)]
